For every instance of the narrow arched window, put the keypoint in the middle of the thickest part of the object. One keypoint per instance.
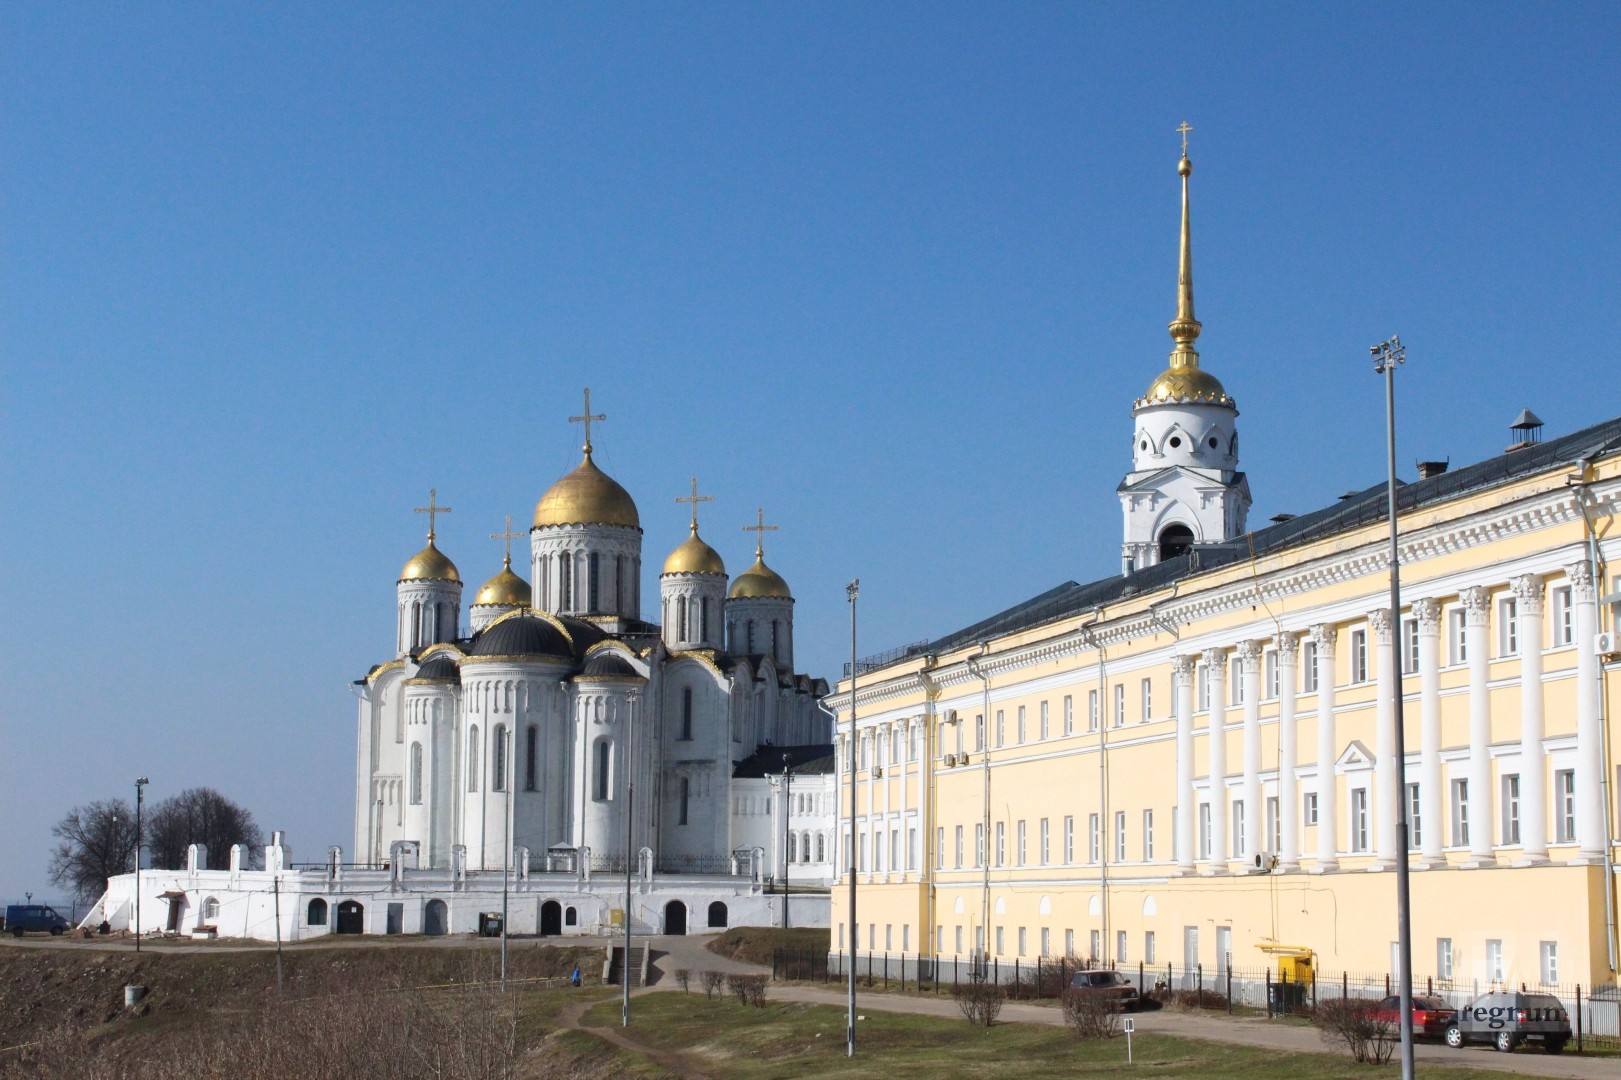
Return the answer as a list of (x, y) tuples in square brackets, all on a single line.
[(416, 624), (543, 582), (703, 619), (531, 757), (793, 848), (317, 913), (686, 799), (686, 713), (750, 649), (593, 594), (499, 781), (600, 770), (681, 618), (821, 848), (619, 582), (211, 908), (565, 581), (472, 759), (416, 774)]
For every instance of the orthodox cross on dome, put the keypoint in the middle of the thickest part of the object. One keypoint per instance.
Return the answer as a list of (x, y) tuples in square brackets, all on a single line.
[(759, 529), (587, 418), (433, 510), (694, 499), (506, 538), (1184, 129)]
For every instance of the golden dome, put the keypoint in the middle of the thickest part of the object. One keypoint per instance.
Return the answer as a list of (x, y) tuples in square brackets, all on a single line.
[(505, 589), (1185, 383), (759, 580), (586, 496), (430, 564), (694, 557)]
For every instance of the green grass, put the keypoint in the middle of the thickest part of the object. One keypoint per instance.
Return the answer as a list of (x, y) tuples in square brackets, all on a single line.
[(726, 1039), (753, 944)]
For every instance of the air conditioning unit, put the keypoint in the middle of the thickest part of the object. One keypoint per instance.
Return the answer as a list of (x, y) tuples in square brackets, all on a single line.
[(1605, 644), (951, 761), (1266, 862), (877, 772)]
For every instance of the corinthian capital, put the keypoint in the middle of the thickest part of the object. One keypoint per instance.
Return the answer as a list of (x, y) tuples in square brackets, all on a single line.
[(1477, 605), (1182, 668), (1528, 594), (1382, 624), (1288, 647), (1580, 575), (1428, 614), (1249, 656), (1216, 660), (1324, 637)]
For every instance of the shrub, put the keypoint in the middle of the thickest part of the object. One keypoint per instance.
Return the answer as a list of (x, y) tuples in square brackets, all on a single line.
[(683, 979), (1091, 1015), (712, 981), (1356, 1025), (980, 1001), (1188, 1000), (748, 989)]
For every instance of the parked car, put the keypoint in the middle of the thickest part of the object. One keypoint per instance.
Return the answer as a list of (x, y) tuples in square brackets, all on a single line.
[(1507, 1018), (1431, 1015), (1110, 984), (21, 918)]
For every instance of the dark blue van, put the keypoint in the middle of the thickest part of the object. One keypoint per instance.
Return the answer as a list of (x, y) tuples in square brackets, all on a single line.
[(21, 918)]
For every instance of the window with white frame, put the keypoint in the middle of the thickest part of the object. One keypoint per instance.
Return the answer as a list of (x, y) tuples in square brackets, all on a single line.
[(1019, 839), (1021, 730), (1549, 956), (1308, 667), (1119, 704), (1119, 836), (1235, 681), (1046, 731), (940, 845), (1069, 839), (959, 846), (1022, 950), (1148, 836), (1274, 835), (1443, 958), (1046, 849), (1093, 841), (1091, 710), (1415, 818), (1069, 715), (1000, 947), (1149, 953), (1001, 843), (1069, 943), (1508, 626), (1203, 686), (1359, 819), (1308, 809), (979, 845), (1120, 946), (1204, 830), (1409, 645), (1563, 627), (979, 732), (1046, 941), (1238, 829), (1148, 700), (1359, 656), (1457, 636), (1564, 806), (1494, 959), (1460, 813), (1511, 809), (1096, 945), (1269, 670), (1001, 728)]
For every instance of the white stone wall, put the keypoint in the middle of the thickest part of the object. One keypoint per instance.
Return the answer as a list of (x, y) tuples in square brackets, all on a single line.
[(619, 569)]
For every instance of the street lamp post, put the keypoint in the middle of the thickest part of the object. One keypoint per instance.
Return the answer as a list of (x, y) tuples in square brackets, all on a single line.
[(1387, 355), (140, 783), (787, 808), (630, 853), (852, 590)]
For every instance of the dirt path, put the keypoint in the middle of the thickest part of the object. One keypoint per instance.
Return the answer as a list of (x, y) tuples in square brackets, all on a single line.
[(672, 1062)]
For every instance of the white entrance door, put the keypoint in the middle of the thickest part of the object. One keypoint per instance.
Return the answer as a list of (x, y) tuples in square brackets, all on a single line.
[(1224, 948)]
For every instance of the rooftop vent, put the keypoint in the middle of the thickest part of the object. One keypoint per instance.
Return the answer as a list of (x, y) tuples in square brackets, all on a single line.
[(1427, 469), (1279, 519), (1527, 429), (1349, 495)]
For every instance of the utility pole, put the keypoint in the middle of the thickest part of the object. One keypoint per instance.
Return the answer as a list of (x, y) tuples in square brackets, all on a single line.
[(140, 782), (1387, 356), (630, 852), (787, 809), (276, 889), (852, 590)]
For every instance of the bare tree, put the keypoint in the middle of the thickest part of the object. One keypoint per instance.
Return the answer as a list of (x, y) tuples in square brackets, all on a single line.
[(199, 815), (94, 843)]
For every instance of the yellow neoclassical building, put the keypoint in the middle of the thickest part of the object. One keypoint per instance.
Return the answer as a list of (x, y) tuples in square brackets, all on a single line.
[(1196, 759)]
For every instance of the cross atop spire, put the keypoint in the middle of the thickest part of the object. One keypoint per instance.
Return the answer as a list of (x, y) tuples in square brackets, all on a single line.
[(759, 529), (586, 420), (506, 538), (433, 509), (694, 499), (1184, 129)]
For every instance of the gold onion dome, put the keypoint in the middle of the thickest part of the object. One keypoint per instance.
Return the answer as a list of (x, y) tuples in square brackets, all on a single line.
[(586, 496), (1186, 384), (694, 557), (759, 580), (505, 589), (430, 564)]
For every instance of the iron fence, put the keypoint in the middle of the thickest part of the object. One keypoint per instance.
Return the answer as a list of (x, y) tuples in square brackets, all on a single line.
[(695, 864)]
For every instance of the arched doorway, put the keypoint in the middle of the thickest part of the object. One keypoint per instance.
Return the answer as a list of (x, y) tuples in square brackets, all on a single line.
[(435, 919), (316, 916), (717, 916), (551, 919), (351, 918), (1174, 540), (675, 917)]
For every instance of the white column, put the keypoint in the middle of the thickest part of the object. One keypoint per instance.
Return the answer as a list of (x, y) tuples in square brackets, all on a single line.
[(1249, 660), (1528, 601), (1384, 742), (1430, 802), (1328, 829), (1182, 668), (1216, 736), (1590, 808), (1288, 753), (1477, 613)]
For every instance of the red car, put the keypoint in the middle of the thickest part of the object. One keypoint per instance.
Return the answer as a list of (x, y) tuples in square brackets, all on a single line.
[(1431, 1015)]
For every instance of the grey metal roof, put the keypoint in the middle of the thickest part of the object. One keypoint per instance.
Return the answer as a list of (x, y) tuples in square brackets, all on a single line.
[(1350, 512), (808, 760)]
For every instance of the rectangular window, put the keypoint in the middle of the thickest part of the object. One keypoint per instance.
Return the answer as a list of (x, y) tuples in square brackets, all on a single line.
[(1148, 700), (1443, 957), (1238, 829), (1494, 959), (1508, 626), (1563, 629), (1021, 941), (1046, 850), (1359, 819), (1150, 954), (1001, 729), (1046, 941), (1274, 827), (1271, 674), (1069, 839), (1308, 667), (1091, 710), (1204, 830), (1460, 813), (1046, 731), (1359, 656), (1511, 809), (959, 939), (1001, 843), (1550, 962), (1020, 851), (1069, 715), (979, 733), (1120, 946), (979, 845), (1000, 946), (1096, 944), (1093, 849), (940, 845), (1308, 812), (1120, 705), (1069, 943), (889, 930), (1235, 681), (1202, 687), (1415, 820), (1409, 645), (959, 847), (1148, 836), (1119, 836), (1564, 806), (1021, 726), (1457, 636)]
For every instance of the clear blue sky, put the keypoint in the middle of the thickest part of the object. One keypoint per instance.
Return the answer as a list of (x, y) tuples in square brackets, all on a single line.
[(893, 271)]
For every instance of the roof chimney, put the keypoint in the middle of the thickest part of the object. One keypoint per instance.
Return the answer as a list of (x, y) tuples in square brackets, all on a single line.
[(1427, 469), (1527, 429)]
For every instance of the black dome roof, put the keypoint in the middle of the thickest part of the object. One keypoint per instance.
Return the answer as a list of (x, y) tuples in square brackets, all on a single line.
[(439, 667), (521, 635), (608, 663), (584, 632)]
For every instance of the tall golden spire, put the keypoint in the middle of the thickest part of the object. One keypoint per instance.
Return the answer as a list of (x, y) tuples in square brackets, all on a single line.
[(1185, 328)]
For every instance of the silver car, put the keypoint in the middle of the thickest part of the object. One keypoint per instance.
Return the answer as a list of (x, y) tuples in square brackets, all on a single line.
[(1507, 1018)]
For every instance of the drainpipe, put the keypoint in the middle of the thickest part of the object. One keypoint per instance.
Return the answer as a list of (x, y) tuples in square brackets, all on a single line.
[(1104, 824), (985, 769), (928, 797)]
